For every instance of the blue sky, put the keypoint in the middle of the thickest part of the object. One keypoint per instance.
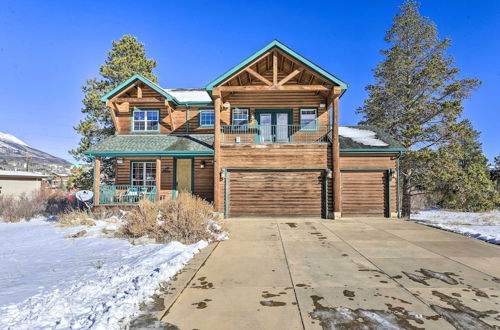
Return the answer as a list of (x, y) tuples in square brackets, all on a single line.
[(49, 48)]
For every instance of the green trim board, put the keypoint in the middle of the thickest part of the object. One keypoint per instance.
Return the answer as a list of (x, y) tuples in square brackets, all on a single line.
[(279, 45), (151, 153), (132, 121), (133, 79), (375, 151)]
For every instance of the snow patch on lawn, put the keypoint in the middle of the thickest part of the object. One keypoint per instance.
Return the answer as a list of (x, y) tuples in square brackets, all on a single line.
[(362, 136), (49, 281), (482, 225)]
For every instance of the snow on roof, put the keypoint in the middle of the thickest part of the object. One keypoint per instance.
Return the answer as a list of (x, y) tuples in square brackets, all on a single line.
[(22, 173), (11, 138), (189, 94), (362, 136)]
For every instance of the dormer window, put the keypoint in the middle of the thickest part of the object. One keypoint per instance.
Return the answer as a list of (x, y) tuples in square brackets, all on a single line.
[(146, 121)]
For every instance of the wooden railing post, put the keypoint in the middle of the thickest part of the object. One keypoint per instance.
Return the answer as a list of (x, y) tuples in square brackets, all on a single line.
[(217, 109), (97, 180), (158, 178)]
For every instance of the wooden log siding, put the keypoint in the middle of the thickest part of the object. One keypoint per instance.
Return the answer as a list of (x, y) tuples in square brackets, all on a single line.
[(275, 193), (153, 100), (279, 156), (363, 161), (203, 178)]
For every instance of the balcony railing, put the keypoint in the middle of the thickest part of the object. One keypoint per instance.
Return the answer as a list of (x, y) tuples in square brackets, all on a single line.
[(125, 194), (274, 134)]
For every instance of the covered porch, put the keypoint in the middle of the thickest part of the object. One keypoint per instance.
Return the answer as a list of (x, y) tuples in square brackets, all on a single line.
[(153, 167)]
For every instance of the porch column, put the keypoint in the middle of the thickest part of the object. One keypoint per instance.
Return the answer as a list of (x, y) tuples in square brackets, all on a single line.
[(217, 108), (158, 178), (97, 179), (337, 209)]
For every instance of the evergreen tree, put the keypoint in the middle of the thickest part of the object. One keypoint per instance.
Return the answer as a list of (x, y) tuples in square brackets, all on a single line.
[(417, 96), (126, 58), (457, 173)]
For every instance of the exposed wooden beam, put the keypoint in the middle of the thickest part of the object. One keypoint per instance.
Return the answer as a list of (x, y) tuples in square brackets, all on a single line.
[(135, 99), (158, 178), (258, 76), (97, 179), (290, 76), (170, 111), (275, 68), (274, 88), (337, 206), (217, 165), (139, 91), (335, 92)]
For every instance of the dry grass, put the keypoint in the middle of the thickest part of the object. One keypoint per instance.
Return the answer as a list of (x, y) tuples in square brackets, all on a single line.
[(187, 219), (24, 207), (76, 218)]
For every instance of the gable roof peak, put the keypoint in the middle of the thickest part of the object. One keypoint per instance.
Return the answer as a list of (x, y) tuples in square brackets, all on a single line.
[(278, 44)]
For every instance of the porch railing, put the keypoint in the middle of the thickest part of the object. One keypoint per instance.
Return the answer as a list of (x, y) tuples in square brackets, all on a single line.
[(125, 194), (274, 134)]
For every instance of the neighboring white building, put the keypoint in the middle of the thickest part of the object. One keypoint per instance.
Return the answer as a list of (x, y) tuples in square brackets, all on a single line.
[(15, 183)]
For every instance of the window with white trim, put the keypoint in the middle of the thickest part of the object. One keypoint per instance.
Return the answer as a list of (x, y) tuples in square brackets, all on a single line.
[(308, 119), (146, 121), (240, 118), (143, 173), (207, 118)]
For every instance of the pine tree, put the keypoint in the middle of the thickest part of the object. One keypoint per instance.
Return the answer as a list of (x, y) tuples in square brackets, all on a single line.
[(126, 58), (417, 96)]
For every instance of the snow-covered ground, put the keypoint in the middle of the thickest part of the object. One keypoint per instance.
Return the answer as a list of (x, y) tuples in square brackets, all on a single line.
[(50, 281), (484, 226)]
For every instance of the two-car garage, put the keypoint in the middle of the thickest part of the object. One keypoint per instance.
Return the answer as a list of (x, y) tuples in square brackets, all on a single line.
[(303, 193)]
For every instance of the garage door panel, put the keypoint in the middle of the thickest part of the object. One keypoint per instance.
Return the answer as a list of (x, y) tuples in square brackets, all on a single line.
[(275, 193), (364, 193)]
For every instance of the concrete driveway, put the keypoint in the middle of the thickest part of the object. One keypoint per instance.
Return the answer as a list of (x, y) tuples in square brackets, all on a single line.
[(352, 273)]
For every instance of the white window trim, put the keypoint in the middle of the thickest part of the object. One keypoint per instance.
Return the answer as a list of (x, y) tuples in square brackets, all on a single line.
[(143, 173), (206, 110), (316, 120), (145, 120), (247, 113)]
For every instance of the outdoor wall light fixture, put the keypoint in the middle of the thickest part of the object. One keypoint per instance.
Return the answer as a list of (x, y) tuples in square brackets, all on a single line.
[(165, 170), (227, 105), (202, 164), (119, 160)]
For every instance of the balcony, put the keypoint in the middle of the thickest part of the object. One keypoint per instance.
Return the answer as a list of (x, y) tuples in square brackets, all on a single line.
[(125, 194), (234, 134)]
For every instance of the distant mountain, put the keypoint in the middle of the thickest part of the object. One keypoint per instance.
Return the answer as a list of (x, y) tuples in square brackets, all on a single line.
[(14, 153)]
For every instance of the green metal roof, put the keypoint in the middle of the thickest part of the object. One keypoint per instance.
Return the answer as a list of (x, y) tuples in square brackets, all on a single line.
[(133, 79), (290, 52), (364, 142), (154, 145)]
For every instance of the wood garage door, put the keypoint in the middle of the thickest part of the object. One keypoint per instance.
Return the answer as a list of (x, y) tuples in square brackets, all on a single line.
[(364, 193), (275, 193)]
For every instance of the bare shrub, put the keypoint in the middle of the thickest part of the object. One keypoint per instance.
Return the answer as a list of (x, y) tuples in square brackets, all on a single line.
[(61, 202), (23, 207), (76, 218), (187, 219)]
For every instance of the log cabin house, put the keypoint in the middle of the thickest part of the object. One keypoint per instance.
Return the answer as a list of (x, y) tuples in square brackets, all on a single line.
[(260, 140)]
